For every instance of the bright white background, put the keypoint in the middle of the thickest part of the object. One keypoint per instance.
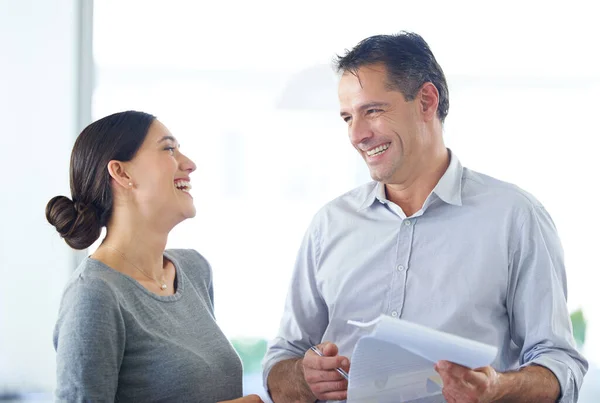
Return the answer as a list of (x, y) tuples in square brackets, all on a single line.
[(248, 90)]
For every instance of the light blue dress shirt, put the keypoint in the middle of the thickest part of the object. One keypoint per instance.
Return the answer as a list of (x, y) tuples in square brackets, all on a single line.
[(481, 259)]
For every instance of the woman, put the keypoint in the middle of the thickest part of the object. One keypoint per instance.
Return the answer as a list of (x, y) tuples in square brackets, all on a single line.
[(136, 321)]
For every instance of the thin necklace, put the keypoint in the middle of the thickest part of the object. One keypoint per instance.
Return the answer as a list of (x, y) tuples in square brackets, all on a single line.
[(162, 285)]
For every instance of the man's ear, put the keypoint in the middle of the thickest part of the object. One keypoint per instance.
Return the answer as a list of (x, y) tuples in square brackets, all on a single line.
[(429, 98), (117, 171)]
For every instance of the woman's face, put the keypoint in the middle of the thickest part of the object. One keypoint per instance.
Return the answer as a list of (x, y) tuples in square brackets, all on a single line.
[(160, 178)]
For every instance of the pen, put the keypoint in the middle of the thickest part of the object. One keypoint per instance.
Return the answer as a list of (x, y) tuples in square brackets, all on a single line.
[(341, 371)]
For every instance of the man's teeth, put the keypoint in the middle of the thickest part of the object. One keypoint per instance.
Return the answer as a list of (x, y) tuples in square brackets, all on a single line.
[(184, 186), (378, 150)]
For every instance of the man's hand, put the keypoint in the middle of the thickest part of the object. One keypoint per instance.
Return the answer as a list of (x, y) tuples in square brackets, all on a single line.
[(245, 399), (465, 385), (320, 374)]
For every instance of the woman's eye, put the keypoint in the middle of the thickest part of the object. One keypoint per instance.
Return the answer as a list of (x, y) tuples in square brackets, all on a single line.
[(171, 150)]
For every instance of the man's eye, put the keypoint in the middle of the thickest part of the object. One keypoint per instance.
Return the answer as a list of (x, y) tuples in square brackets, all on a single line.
[(346, 119), (370, 111)]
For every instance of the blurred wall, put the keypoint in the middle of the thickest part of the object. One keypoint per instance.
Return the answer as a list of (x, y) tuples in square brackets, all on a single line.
[(39, 42)]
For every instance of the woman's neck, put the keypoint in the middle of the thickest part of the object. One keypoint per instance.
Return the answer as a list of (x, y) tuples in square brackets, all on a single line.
[(137, 244)]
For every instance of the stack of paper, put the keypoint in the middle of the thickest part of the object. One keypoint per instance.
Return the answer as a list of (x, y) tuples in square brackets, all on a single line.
[(395, 362)]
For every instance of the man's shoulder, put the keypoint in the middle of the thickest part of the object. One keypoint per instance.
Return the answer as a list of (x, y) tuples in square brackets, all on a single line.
[(495, 191), (343, 207), (352, 200)]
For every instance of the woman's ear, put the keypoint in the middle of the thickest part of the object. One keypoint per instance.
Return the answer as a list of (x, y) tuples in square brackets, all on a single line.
[(116, 169)]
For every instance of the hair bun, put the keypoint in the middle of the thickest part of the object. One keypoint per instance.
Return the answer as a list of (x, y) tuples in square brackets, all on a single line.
[(76, 222), (61, 213)]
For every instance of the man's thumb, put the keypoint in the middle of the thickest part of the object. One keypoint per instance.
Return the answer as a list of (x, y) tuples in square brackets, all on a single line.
[(329, 349)]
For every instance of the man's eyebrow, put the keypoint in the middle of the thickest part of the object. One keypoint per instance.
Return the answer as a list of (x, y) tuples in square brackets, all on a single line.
[(367, 106)]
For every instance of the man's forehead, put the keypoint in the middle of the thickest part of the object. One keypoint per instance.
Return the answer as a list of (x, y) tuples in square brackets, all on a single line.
[(371, 76)]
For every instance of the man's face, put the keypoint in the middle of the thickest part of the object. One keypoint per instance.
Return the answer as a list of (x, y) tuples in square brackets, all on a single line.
[(382, 126)]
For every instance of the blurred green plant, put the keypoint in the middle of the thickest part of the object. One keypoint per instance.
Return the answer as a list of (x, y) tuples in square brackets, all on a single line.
[(579, 327), (251, 352)]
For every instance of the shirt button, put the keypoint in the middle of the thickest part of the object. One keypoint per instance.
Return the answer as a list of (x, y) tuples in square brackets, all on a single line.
[(394, 314), (407, 222), (400, 267)]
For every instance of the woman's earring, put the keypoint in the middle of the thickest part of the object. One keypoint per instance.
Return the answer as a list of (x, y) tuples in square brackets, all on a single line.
[(130, 184)]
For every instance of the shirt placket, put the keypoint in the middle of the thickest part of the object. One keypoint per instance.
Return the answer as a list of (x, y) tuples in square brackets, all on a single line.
[(401, 266)]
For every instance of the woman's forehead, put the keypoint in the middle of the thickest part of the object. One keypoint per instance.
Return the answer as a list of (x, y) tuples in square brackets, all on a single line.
[(158, 133)]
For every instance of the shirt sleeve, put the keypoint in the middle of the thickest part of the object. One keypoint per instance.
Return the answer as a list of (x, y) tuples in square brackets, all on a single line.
[(305, 316), (537, 303), (89, 340)]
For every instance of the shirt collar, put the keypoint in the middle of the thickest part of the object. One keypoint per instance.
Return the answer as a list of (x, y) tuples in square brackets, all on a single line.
[(372, 196), (448, 188)]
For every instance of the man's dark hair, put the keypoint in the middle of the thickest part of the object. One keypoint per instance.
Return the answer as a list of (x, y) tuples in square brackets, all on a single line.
[(409, 63)]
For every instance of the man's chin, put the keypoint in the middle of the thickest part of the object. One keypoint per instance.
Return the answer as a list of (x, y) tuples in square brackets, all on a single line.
[(378, 176)]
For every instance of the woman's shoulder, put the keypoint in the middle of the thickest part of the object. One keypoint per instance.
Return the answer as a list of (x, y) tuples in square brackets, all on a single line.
[(191, 262), (187, 256), (92, 281), (91, 297)]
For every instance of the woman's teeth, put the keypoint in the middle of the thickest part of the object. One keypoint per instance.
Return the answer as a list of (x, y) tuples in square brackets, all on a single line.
[(184, 186)]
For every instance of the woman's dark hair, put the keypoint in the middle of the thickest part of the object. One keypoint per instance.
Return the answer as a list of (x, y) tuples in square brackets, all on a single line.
[(80, 219), (409, 63)]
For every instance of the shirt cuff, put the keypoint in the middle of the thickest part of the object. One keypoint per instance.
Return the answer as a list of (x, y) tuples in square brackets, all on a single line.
[(564, 375)]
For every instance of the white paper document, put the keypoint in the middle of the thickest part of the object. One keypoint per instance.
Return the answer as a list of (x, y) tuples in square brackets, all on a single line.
[(394, 364)]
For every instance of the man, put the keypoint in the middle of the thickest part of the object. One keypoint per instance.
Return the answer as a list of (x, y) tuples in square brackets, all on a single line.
[(428, 241)]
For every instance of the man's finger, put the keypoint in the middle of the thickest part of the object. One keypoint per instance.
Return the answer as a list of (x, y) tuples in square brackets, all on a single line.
[(330, 390), (325, 363), (325, 387), (314, 376), (446, 379), (453, 375), (452, 369), (337, 395), (479, 377)]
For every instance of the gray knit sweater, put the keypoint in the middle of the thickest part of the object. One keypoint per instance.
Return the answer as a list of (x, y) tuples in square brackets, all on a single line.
[(117, 341)]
